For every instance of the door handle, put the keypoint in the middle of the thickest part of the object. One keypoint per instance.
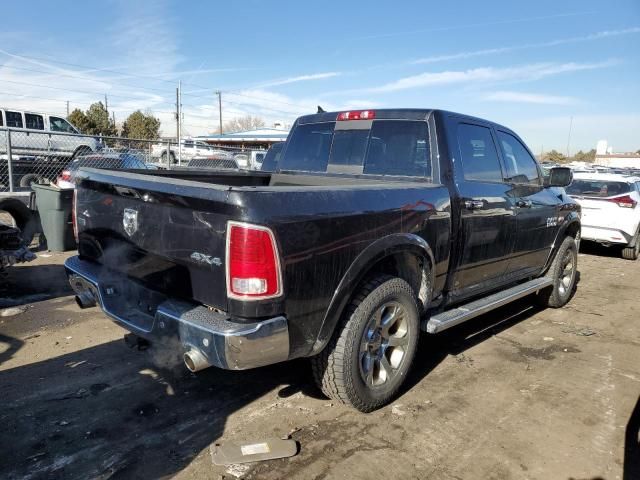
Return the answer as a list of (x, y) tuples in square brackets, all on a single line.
[(473, 204), (523, 204)]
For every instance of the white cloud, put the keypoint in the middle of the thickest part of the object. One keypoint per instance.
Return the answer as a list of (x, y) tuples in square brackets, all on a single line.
[(512, 48), (300, 78), (525, 97), (486, 75)]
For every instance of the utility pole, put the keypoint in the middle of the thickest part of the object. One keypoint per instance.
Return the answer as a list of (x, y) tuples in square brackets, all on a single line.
[(569, 138), (179, 102), (219, 93), (106, 104), (67, 108)]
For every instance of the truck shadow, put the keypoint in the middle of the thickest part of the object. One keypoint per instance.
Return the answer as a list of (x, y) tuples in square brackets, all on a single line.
[(105, 411), (28, 283), (433, 349), (593, 248)]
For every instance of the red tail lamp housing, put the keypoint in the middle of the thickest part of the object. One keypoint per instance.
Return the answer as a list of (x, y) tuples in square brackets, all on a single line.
[(74, 219), (357, 115), (253, 265), (624, 201)]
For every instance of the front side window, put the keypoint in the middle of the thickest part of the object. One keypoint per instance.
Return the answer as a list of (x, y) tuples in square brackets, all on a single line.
[(478, 153), (14, 119), (520, 165), (34, 122), (57, 124)]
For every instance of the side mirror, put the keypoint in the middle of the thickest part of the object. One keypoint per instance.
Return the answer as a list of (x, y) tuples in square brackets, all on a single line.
[(559, 177)]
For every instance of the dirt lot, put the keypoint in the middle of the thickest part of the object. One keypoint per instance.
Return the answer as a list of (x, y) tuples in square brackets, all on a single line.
[(517, 394)]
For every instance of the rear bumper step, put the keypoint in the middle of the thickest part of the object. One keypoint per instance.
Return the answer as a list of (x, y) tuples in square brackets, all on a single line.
[(153, 316), (456, 316)]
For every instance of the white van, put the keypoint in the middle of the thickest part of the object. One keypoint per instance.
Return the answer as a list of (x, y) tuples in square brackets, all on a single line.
[(35, 133)]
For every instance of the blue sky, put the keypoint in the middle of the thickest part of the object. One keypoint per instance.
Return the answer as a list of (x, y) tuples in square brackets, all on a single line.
[(529, 65)]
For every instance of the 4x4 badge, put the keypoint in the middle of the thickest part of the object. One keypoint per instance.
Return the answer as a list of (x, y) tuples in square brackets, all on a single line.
[(130, 221)]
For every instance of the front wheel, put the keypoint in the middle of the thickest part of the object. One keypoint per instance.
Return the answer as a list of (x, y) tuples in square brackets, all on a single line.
[(369, 356), (563, 273)]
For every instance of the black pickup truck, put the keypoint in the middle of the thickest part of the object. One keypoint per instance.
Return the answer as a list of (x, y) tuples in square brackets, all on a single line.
[(375, 226)]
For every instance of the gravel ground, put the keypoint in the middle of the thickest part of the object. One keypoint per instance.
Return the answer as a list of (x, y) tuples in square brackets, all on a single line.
[(519, 393)]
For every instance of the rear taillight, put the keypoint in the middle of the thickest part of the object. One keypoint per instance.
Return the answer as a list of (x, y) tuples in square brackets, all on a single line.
[(253, 265), (623, 201), (357, 115), (74, 219), (65, 175)]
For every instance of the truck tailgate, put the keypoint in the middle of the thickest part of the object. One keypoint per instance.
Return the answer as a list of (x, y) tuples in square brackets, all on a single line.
[(170, 236)]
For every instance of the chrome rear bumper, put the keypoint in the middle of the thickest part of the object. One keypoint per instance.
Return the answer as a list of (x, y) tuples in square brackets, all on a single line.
[(226, 343)]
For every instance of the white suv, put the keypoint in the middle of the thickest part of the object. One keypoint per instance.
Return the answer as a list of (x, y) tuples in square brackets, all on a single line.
[(610, 210), (35, 133)]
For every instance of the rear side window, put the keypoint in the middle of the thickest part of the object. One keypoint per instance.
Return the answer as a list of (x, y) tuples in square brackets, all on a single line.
[(520, 165), (379, 147), (598, 188), (478, 153), (14, 119), (35, 122)]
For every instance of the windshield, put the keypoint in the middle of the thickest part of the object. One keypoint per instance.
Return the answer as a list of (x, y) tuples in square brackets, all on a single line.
[(380, 147), (97, 161)]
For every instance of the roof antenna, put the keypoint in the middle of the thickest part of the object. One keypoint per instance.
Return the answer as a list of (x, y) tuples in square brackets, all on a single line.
[(320, 109)]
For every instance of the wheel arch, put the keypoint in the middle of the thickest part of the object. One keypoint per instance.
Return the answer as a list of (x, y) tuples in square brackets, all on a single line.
[(406, 256), (570, 228)]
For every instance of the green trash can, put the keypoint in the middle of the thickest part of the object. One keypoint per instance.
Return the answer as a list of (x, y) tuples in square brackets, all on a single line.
[(55, 205)]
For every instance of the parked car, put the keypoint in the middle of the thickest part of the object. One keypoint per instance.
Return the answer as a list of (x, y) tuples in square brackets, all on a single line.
[(369, 232), (610, 212), (39, 133), (213, 162), (250, 160), (41, 145), (190, 149), (111, 161), (270, 161)]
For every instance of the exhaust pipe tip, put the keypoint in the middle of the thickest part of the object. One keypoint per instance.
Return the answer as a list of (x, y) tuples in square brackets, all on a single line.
[(195, 360), (85, 300)]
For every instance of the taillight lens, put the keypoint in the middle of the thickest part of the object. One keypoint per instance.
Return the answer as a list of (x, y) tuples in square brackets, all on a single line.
[(624, 201), (357, 115), (253, 266), (74, 219)]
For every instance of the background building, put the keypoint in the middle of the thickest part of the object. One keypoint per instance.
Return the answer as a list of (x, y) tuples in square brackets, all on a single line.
[(606, 157), (259, 138)]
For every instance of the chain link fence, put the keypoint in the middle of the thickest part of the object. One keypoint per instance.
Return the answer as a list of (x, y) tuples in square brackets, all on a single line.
[(31, 156)]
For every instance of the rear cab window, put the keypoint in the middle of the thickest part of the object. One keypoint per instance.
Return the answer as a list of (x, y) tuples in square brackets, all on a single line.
[(373, 147)]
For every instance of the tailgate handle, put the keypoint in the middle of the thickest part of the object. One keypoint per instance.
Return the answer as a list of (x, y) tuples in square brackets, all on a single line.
[(473, 204)]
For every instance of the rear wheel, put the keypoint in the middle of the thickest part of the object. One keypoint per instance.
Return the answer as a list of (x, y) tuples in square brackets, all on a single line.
[(632, 253), (172, 157), (563, 273), (367, 360)]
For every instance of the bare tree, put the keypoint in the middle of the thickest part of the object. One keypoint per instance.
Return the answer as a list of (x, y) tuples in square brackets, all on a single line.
[(241, 124)]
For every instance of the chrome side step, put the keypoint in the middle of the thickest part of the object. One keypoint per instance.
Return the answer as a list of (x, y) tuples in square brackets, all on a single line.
[(456, 316)]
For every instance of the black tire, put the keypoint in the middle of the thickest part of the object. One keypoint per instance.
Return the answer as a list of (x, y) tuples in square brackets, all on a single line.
[(30, 178), (563, 275), (632, 253), (172, 156), (26, 220), (340, 370)]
